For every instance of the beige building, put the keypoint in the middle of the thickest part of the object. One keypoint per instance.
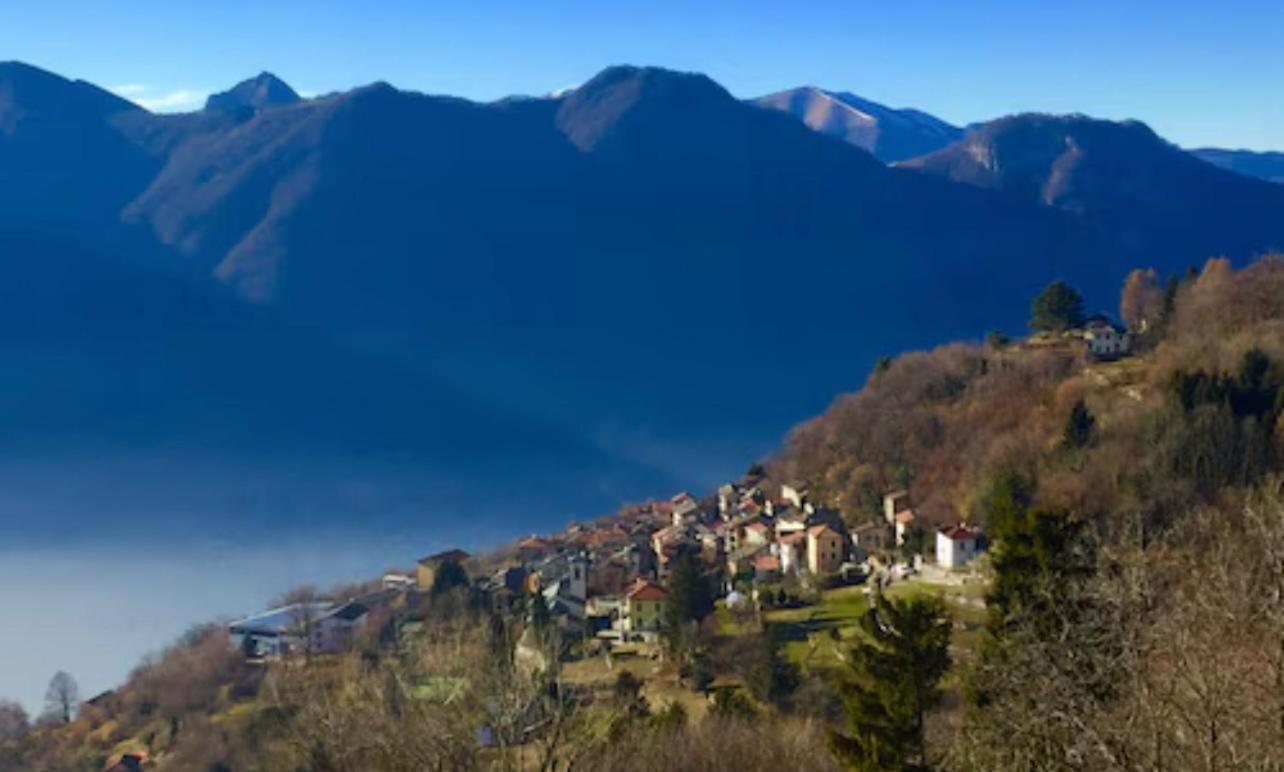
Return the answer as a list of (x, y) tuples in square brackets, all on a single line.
[(824, 550)]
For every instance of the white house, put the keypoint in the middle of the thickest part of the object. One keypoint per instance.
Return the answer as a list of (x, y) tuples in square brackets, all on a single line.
[(796, 495), (1105, 341), (956, 545), (316, 627)]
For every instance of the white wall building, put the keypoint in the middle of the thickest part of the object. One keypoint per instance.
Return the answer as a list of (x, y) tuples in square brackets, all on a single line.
[(1107, 342), (956, 545)]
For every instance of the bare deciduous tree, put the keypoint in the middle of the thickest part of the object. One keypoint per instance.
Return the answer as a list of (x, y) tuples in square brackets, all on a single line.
[(62, 697)]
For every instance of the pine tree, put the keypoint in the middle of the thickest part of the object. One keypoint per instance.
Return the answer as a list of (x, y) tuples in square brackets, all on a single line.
[(1035, 551), (1059, 307), (689, 599), (772, 677), (538, 615), (896, 669)]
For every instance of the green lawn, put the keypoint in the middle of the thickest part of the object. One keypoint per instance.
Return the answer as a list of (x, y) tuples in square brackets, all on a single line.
[(818, 637)]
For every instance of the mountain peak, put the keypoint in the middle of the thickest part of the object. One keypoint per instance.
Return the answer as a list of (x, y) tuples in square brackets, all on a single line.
[(651, 77), (650, 96), (890, 134), (260, 92)]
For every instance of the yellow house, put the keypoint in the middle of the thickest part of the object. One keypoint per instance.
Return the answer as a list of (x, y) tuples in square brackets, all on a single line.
[(643, 608), (427, 568)]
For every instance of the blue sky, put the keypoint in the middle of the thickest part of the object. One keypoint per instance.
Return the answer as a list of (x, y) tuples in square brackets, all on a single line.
[(1198, 72)]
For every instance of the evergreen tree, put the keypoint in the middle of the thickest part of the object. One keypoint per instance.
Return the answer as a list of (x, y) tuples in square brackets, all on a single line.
[(701, 672), (772, 677), (1034, 552), (1080, 426), (896, 670), (1059, 307), (689, 598), (538, 615)]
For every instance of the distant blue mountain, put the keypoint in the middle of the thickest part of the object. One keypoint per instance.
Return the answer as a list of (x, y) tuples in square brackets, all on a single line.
[(1119, 179), (1266, 165), (258, 93), (381, 309), (890, 134)]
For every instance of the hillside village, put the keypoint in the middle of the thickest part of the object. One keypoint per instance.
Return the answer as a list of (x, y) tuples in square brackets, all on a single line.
[(605, 579)]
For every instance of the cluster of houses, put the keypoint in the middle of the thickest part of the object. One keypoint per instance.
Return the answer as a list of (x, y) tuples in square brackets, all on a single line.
[(607, 578)]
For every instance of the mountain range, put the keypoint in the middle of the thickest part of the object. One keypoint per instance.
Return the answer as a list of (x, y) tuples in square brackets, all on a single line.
[(894, 135), (386, 307)]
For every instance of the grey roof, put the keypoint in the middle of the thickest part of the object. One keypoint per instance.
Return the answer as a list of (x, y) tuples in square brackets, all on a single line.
[(279, 620), (350, 612), (452, 556)]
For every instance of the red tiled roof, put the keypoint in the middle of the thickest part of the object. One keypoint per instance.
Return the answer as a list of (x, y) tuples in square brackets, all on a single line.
[(818, 530), (959, 532), (905, 516), (606, 536), (766, 563), (671, 533), (644, 590)]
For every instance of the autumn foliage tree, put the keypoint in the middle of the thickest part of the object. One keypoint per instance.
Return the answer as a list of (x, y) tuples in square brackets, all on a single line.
[(1141, 303)]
